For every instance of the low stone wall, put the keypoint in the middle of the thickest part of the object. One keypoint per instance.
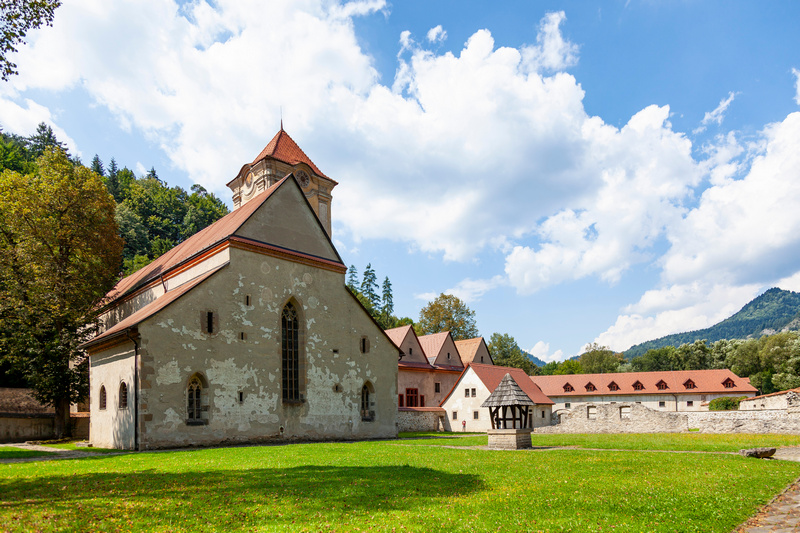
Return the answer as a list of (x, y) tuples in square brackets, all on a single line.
[(419, 419), (772, 421), (635, 418), (20, 427), (616, 418)]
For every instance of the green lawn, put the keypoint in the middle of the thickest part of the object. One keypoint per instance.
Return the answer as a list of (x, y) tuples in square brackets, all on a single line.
[(386, 486), (668, 441), (9, 452), (72, 446)]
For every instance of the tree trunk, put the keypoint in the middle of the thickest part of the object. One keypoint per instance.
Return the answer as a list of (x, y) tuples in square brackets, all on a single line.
[(62, 427)]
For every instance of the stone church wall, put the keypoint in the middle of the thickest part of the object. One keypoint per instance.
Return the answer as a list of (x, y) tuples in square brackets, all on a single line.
[(241, 364)]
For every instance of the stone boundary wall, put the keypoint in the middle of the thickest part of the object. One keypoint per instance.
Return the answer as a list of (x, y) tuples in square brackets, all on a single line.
[(635, 418), (16, 427), (772, 421), (408, 420)]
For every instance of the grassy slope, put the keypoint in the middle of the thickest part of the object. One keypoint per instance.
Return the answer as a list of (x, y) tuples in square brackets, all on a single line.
[(381, 485)]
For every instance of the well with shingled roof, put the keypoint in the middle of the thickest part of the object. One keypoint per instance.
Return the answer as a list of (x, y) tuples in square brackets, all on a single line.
[(508, 410)]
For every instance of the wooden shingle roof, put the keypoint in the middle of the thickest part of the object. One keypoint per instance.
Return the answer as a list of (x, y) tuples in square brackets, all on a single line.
[(507, 393)]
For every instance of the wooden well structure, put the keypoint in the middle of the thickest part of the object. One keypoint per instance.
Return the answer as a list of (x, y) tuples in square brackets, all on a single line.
[(509, 408)]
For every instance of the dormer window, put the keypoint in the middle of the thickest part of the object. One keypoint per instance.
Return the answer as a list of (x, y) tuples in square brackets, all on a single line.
[(613, 386), (590, 387), (662, 385), (728, 383), (568, 388), (689, 384), (638, 385)]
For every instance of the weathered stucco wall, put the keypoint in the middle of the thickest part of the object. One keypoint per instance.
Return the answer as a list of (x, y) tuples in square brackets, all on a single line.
[(112, 427), (425, 382), (245, 357)]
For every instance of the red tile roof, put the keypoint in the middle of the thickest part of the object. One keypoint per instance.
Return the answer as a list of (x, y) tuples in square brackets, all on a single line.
[(200, 241), (398, 335), (150, 309), (492, 375), (797, 390), (468, 348), (432, 344), (283, 148), (705, 381)]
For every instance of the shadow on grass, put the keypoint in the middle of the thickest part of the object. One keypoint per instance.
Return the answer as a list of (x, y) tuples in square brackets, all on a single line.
[(7, 452), (230, 499)]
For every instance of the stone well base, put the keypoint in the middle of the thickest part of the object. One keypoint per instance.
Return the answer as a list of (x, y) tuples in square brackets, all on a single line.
[(509, 439)]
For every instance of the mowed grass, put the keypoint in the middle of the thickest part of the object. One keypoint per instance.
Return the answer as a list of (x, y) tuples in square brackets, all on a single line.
[(9, 452), (73, 446), (701, 442), (383, 486)]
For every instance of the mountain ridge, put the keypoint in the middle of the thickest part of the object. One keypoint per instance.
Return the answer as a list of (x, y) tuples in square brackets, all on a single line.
[(773, 311)]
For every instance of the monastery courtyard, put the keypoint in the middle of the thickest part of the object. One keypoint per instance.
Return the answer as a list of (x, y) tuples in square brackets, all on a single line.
[(421, 482)]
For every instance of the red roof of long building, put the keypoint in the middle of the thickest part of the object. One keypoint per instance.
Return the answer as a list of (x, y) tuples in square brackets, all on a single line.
[(676, 381)]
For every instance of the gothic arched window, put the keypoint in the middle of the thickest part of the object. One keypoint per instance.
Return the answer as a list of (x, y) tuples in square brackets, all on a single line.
[(290, 354), (123, 395), (366, 414), (102, 397), (194, 401)]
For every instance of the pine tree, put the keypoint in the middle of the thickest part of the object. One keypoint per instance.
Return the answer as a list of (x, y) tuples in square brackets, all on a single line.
[(387, 301), (112, 181), (97, 166), (369, 286), (352, 278)]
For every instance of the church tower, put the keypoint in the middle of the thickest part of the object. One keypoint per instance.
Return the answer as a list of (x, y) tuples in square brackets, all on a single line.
[(280, 157)]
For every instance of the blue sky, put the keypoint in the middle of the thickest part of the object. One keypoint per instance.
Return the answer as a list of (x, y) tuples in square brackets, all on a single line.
[(576, 173)]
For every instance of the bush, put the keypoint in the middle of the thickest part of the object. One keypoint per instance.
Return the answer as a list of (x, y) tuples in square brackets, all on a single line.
[(725, 404)]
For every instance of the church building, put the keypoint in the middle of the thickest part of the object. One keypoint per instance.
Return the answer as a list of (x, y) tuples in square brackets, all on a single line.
[(245, 332)]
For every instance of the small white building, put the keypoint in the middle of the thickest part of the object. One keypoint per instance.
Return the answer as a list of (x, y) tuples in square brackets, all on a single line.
[(767, 402), (463, 405)]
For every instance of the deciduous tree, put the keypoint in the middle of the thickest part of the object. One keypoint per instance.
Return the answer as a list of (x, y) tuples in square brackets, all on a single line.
[(59, 254), (17, 18), (599, 360), (506, 352), (448, 313)]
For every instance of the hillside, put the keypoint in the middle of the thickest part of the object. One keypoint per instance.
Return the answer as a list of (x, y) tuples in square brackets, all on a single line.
[(773, 311)]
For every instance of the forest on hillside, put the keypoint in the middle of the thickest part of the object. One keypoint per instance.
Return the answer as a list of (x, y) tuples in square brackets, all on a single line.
[(771, 312)]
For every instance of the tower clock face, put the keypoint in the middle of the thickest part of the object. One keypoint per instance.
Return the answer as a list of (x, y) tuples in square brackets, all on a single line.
[(302, 178), (248, 182)]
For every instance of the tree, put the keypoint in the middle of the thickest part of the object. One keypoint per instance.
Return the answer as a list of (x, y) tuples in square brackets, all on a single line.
[(387, 300), (97, 166), (600, 360), (43, 139), (352, 279), (448, 313), (369, 286), (570, 366), (506, 352), (59, 254), (18, 18)]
